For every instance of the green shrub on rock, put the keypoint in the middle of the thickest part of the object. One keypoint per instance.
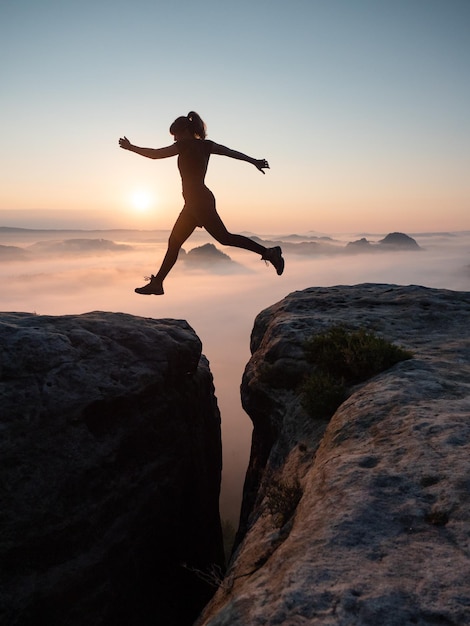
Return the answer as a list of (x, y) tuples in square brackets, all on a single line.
[(342, 357)]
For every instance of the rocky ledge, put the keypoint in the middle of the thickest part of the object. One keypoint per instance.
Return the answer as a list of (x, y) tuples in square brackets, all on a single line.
[(110, 463), (363, 518)]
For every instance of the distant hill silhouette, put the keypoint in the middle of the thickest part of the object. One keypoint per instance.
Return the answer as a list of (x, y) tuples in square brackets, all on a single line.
[(12, 253), (393, 241), (399, 240), (360, 245), (208, 256), (207, 253), (79, 246)]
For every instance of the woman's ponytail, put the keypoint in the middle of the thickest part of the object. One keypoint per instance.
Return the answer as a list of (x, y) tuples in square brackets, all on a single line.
[(193, 122), (196, 125)]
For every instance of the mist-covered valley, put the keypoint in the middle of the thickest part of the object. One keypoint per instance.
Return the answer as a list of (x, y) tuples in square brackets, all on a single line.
[(219, 291)]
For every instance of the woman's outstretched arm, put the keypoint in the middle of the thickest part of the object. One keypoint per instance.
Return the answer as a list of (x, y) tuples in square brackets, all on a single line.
[(260, 164), (151, 153)]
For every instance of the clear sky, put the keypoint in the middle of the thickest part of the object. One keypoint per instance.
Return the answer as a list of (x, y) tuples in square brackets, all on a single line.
[(361, 107)]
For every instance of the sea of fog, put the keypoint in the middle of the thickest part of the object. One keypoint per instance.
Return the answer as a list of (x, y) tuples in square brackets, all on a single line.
[(57, 272)]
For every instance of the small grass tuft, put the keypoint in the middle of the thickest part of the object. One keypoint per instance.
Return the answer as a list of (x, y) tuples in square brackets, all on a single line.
[(342, 357), (354, 355), (323, 394), (282, 500)]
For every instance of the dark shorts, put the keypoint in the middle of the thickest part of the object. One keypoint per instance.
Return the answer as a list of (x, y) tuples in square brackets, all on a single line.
[(199, 207)]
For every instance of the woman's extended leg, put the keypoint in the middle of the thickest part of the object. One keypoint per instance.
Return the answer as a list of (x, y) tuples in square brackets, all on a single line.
[(217, 229), (183, 228)]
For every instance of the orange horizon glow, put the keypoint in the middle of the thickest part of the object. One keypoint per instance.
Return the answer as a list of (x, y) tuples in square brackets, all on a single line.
[(361, 134)]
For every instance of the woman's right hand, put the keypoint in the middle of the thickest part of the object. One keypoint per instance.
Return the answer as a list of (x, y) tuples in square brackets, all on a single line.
[(124, 143)]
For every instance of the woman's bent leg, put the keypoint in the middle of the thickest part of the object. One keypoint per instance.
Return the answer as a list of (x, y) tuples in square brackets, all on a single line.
[(217, 229)]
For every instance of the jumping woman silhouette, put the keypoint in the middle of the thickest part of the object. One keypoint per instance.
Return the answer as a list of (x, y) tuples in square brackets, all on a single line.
[(194, 150)]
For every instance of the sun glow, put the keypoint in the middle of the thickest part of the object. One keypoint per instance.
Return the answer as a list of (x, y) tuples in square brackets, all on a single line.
[(142, 200)]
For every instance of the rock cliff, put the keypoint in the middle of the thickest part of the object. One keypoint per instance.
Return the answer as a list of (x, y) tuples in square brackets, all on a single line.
[(110, 471), (362, 519)]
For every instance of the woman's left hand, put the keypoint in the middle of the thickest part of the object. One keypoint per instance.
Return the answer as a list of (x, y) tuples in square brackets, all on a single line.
[(261, 164)]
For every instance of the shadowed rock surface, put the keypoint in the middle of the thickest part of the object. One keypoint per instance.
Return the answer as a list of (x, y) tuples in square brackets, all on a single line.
[(110, 463), (363, 519)]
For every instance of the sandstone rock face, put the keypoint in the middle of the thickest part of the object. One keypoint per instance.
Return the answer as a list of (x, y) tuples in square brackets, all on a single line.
[(110, 471), (363, 519)]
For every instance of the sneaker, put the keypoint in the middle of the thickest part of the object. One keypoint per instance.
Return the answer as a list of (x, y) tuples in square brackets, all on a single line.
[(274, 256), (154, 287)]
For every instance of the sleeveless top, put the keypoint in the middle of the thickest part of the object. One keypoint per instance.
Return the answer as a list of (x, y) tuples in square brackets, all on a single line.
[(193, 159)]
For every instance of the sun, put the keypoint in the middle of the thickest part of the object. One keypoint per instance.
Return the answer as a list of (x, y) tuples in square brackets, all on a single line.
[(141, 200)]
